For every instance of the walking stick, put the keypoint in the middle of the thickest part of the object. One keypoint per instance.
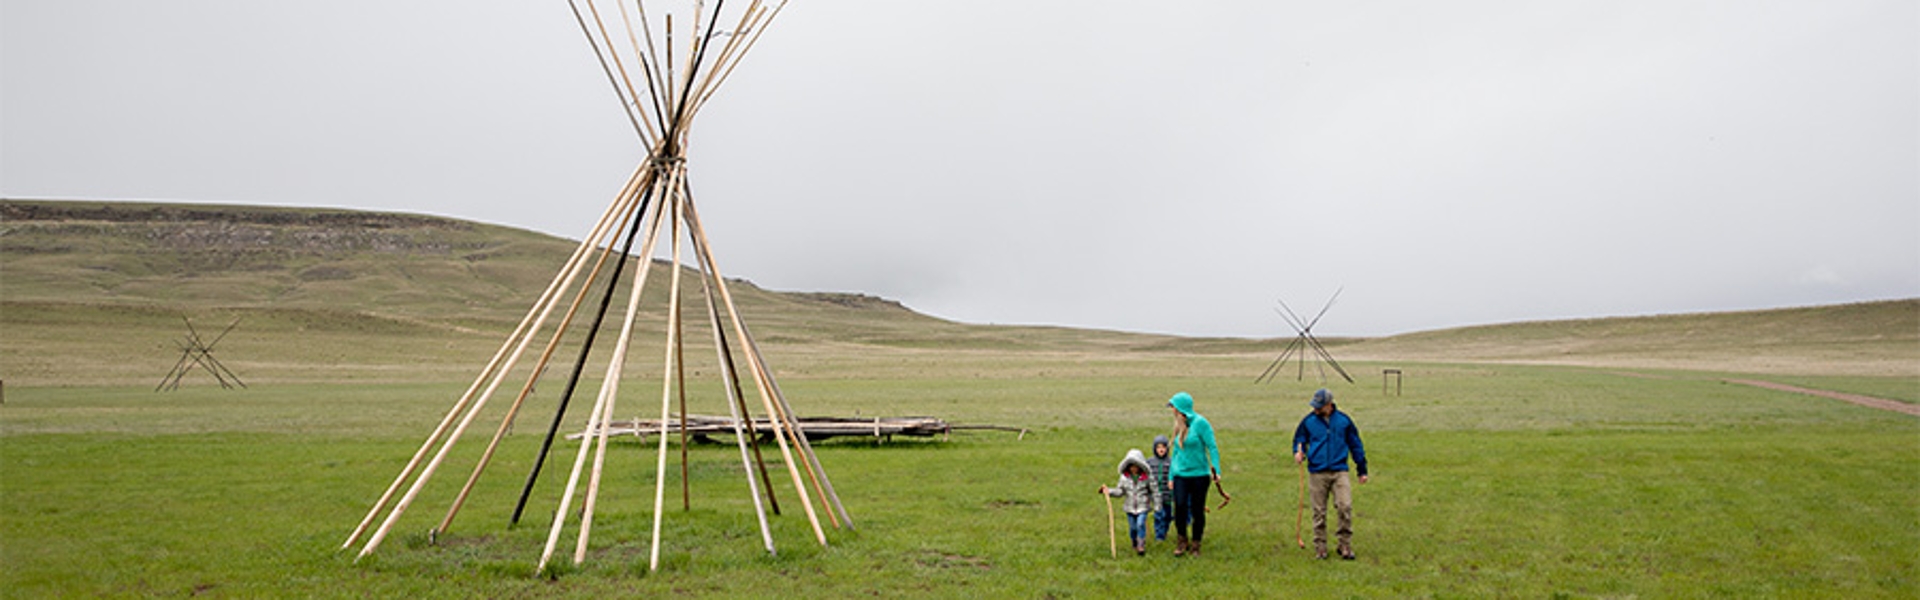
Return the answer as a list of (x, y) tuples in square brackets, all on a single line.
[(1225, 498), (1300, 508), (1113, 541)]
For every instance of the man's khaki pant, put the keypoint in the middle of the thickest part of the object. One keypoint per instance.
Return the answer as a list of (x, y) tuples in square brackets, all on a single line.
[(1336, 482)]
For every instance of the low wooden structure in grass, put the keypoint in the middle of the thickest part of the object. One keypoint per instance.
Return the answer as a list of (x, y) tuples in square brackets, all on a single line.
[(881, 429)]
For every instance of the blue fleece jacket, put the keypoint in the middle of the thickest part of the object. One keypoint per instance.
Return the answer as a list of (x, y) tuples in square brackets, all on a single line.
[(1197, 455), (1328, 441)]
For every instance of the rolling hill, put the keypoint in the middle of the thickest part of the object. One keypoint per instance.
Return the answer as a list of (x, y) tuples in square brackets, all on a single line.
[(95, 292)]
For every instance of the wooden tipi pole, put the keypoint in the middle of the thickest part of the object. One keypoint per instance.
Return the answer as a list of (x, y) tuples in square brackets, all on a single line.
[(628, 215), (736, 405), (492, 365), (611, 386), (599, 405), (770, 389), (667, 382), (782, 428), (731, 374), (586, 345)]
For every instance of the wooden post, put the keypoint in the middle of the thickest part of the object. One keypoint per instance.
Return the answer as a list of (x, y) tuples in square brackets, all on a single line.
[(1395, 374)]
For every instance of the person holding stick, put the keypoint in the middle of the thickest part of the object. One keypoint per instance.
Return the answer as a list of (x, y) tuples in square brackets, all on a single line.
[(1324, 440), (1140, 495), (1196, 468)]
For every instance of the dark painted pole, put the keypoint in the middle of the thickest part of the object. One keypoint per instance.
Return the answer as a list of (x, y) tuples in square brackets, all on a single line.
[(586, 346)]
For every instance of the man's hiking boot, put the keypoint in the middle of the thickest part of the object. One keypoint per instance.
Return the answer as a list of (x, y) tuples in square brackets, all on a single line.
[(1346, 551), (1320, 551)]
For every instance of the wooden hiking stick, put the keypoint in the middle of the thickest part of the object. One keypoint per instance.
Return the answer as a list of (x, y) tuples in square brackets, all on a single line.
[(1225, 498), (1113, 540), (1300, 508)]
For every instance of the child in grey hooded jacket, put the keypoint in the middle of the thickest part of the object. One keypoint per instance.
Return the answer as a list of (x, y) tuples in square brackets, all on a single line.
[(1161, 463), (1141, 493)]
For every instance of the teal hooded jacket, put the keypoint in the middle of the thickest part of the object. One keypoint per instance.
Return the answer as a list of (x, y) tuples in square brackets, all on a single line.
[(1197, 455)]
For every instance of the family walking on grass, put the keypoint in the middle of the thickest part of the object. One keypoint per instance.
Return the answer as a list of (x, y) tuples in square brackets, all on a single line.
[(1172, 485)]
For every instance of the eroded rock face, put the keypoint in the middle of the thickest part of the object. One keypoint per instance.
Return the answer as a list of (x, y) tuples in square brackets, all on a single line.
[(240, 231), (16, 210)]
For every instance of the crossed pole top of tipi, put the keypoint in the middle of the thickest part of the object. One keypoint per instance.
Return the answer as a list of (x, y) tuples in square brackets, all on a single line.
[(663, 77)]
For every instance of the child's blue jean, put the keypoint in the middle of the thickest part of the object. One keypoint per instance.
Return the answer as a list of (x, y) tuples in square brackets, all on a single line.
[(1162, 519), (1137, 528)]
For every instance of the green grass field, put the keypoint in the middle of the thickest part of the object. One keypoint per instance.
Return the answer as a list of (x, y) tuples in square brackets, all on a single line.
[(1585, 459), (1505, 481)]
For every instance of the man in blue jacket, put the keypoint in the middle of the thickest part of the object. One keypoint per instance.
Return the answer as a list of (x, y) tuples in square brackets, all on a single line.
[(1324, 439)]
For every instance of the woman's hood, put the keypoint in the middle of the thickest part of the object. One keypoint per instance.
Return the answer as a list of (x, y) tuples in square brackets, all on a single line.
[(1182, 402)]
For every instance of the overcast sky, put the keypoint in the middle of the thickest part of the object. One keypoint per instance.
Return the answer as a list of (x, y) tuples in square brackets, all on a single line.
[(1171, 167)]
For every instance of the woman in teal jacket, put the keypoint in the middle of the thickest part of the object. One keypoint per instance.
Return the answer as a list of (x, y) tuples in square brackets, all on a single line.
[(1196, 466)]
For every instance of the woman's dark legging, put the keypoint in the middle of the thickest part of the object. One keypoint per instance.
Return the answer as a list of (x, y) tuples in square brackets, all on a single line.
[(1190, 504)]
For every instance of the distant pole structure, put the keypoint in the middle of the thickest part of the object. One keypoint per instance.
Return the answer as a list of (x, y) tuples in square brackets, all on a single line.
[(1304, 347), (1386, 374), (196, 352), (662, 75)]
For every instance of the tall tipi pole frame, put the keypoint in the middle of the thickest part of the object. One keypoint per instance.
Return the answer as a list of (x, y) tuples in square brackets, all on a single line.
[(674, 80), (1304, 342)]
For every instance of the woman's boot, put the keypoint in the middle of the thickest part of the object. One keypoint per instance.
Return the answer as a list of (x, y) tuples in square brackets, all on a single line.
[(1180, 545)]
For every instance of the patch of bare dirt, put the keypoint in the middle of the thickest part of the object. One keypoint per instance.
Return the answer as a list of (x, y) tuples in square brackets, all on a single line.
[(1867, 401)]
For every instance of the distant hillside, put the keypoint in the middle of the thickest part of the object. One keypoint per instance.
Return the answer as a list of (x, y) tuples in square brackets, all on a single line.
[(80, 280), (399, 266), (96, 292), (1870, 338)]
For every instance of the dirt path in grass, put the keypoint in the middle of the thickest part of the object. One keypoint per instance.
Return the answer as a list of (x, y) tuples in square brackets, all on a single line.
[(1867, 401)]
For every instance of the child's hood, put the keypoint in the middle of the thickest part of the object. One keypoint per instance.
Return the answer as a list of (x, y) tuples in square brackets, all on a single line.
[(1135, 457), (1160, 441)]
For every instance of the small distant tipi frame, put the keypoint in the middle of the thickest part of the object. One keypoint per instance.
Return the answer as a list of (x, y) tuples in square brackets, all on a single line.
[(1304, 346), (195, 352), (661, 84)]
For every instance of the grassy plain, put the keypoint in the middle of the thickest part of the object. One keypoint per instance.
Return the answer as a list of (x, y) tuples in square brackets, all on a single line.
[(1489, 481), (1602, 458)]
